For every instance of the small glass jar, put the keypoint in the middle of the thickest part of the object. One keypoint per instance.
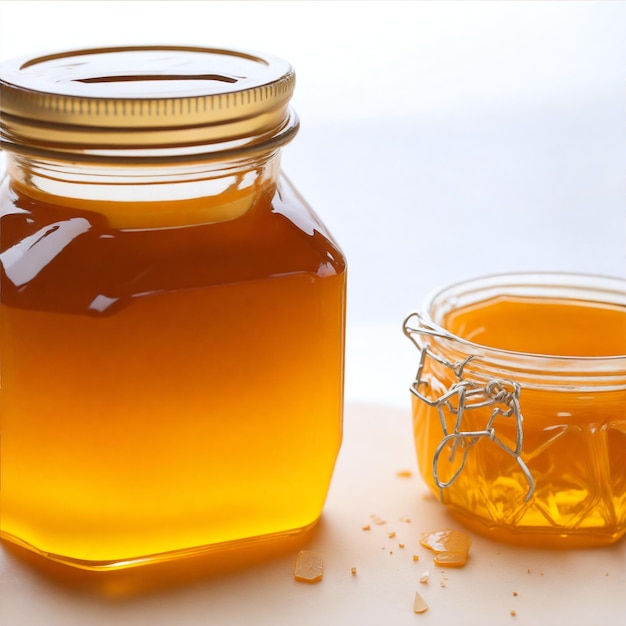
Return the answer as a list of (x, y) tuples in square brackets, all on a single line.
[(519, 405), (172, 312)]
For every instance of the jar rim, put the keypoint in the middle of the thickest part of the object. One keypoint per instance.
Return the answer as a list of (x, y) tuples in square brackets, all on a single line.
[(526, 367)]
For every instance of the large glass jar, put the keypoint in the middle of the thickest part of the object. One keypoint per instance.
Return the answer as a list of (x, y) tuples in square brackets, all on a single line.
[(519, 405), (172, 311)]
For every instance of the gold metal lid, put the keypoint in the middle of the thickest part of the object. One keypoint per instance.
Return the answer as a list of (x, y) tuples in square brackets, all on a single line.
[(145, 102)]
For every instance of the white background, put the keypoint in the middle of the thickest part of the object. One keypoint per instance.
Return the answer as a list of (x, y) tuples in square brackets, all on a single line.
[(439, 140)]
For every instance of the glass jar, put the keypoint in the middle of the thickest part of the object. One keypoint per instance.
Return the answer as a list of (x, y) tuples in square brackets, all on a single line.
[(519, 405), (172, 312)]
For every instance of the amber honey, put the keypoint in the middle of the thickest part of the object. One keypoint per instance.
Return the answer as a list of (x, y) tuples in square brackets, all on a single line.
[(172, 352), (558, 475), (157, 396), (542, 326)]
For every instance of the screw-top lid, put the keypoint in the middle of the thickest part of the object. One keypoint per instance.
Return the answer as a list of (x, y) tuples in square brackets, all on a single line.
[(153, 102)]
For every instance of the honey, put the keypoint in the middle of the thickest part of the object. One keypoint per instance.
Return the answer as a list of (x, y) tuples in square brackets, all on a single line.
[(519, 409), (542, 326), (172, 369)]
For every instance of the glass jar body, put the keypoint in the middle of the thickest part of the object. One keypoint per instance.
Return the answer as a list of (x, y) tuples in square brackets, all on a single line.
[(523, 447), (158, 350)]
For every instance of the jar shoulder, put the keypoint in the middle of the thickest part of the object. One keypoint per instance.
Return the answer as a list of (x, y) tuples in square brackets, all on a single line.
[(54, 256)]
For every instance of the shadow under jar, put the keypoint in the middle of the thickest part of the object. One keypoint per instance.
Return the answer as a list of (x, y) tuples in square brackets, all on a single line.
[(172, 312), (519, 405)]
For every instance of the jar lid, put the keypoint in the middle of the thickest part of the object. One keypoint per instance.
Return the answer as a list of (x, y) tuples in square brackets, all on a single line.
[(152, 101)]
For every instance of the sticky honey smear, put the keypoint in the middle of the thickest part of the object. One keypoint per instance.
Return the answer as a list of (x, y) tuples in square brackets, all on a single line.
[(419, 604), (309, 567), (451, 547)]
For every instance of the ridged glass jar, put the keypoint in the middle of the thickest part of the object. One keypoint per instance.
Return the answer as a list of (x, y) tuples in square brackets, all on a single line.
[(519, 405)]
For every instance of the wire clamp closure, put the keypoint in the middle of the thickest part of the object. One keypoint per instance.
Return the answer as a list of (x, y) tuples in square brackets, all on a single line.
[(500, 397)]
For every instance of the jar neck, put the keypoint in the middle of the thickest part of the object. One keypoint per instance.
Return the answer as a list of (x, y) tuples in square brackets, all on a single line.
[(455, 358), (149, 195), (568, 302)]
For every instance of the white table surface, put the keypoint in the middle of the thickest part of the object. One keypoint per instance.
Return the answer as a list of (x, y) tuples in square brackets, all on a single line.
[(577, 587)]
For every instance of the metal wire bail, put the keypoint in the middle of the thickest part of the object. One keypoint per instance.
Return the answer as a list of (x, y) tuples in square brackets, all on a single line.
[(502, 396)]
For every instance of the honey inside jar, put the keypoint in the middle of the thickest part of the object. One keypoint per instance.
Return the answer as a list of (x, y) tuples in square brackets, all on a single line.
[(172, 340), (156, 384), (154, 399), (557, 475), (542, 326)]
